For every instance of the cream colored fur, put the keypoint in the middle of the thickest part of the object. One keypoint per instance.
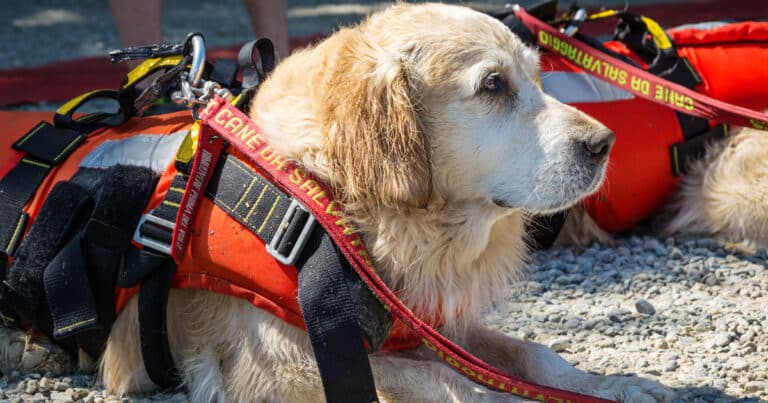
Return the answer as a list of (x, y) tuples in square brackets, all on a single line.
[(428, 123)]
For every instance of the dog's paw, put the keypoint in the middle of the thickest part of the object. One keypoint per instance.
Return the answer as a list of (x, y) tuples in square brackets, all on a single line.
[(628, 389), (26, 353)]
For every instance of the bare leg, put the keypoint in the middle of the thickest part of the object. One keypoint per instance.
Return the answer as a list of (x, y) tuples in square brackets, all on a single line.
[(269, 19), (137, 23)]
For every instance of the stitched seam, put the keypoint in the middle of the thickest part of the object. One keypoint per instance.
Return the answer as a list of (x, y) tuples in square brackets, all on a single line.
[(70, 145), (271, 210), (16, 231), (242, 197), (74, 325), (30, 134), (40, 164)]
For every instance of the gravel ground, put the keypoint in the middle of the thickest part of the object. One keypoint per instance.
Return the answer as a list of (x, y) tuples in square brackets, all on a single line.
[(690, 313)]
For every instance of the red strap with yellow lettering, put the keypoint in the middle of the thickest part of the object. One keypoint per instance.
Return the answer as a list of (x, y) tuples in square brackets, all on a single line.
[(637, 81), (221, 120)]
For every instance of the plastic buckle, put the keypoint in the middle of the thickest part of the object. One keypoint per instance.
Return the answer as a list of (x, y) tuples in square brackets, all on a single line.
[(154, 243), (290, 214)]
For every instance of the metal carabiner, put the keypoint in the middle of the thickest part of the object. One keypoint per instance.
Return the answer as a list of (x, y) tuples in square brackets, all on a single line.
[(575, 22), (198, 59)]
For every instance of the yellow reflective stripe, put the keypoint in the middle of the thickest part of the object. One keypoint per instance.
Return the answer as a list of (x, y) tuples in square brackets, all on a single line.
[(603, 14), (74, 102), (148, 66), (660, 37), (175, 189)]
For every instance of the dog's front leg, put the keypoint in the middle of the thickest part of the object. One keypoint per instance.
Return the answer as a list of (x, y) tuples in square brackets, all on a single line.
[(537, 363)]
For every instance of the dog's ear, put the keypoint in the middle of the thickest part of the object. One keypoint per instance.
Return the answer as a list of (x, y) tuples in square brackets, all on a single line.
[(375, 139)]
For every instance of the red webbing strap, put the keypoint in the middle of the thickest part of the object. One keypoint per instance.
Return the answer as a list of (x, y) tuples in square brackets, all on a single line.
[(637, 81), (207, 154), (240, 132)]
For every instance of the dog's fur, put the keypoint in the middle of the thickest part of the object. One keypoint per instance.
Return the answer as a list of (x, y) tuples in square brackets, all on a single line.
[(428, 122)]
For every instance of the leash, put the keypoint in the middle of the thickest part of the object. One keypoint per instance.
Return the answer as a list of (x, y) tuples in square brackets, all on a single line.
[(637, 81), (223, 123)]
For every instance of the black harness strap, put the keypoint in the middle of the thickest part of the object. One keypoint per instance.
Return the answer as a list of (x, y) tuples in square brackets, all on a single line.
[(44, 146)]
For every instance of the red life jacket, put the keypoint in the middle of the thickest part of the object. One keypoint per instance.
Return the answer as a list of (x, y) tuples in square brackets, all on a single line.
[(729, 58)]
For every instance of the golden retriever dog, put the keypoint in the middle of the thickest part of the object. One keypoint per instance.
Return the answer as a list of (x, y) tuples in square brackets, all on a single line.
[(428, 122)]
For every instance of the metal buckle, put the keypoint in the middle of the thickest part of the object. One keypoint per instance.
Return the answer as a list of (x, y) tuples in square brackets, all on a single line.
[(153, 243), (301, 241)]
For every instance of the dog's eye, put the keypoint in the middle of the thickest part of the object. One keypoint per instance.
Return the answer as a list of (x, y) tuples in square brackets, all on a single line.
[(493, 83)]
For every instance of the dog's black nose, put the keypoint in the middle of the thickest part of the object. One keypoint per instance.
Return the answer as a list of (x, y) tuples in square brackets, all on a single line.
[(600, 143)]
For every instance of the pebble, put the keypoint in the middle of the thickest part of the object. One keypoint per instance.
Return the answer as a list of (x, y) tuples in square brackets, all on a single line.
[(644, 307), (738, 363), (61, 386), (559, 345), (31, 387), (721, 339)]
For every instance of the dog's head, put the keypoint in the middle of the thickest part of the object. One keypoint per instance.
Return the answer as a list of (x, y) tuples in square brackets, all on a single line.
[(436, 102)]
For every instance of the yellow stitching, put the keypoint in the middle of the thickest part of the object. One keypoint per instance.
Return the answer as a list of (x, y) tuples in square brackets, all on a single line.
[(172, 204), (242, 197), (183, 175), (175, 189), (35, 130), (15, 233), (250, 174), (56, 158), (268, 215), (82, 322), (40, 164), (247, 216)]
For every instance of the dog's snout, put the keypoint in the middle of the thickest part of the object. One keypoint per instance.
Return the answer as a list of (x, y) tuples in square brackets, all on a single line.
[(600, 143)]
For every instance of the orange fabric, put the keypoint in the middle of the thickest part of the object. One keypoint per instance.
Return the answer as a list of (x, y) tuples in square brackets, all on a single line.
[(731, 60)]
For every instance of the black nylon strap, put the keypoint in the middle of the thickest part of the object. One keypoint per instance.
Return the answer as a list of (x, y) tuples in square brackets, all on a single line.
[(49, 144), (153, 331), (68, 291), (331, 318), (16, 188)]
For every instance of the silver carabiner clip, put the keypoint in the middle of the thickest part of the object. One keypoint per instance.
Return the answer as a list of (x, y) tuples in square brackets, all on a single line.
[(575, 22)]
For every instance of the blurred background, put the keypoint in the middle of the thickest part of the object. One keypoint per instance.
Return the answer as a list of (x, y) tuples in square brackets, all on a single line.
[(36, 36)]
